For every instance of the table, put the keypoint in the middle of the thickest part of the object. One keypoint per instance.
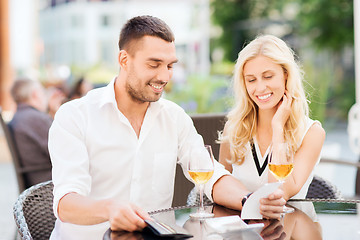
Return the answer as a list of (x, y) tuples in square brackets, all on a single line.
[(312, 219)]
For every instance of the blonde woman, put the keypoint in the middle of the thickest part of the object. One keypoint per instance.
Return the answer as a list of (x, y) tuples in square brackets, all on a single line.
[(270, 108)]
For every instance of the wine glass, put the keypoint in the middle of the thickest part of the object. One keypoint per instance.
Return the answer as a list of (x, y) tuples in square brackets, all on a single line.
[(281, 164), (201, 168)]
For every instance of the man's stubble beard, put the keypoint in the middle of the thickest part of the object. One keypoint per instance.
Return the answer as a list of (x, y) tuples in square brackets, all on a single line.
[(139, 96)]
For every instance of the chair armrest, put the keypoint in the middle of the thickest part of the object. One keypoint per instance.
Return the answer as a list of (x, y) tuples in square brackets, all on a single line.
[(34, 168), (343, 162)]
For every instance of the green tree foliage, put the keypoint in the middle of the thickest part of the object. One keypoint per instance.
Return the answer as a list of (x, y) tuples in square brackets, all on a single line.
[(325, 25), (202, 94), (232, 16), (226, 13), (328, 23)]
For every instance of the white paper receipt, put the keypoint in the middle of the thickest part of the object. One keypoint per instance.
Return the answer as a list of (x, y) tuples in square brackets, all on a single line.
[(251, 208), (226, 224)]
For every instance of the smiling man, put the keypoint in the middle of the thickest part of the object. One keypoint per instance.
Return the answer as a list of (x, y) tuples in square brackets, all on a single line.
[(114, 151)]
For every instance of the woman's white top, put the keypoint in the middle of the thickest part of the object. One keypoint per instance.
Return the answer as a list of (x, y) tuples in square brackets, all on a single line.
[(248, 174)]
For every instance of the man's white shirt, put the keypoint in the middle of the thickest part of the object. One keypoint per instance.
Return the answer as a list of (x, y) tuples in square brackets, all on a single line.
[(95, 152)]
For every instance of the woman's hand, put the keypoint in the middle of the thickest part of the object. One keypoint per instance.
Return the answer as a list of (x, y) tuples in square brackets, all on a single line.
[(272, 206), (283, 111), (281, 116)]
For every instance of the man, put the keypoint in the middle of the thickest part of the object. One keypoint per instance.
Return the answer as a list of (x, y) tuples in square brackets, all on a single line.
[(114, 151), (30, 126)]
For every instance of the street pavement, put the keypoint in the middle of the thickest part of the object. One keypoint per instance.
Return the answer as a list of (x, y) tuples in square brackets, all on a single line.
[(9, 192)]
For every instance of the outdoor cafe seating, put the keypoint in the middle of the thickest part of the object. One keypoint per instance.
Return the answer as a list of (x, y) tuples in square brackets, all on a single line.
[(33, 210)]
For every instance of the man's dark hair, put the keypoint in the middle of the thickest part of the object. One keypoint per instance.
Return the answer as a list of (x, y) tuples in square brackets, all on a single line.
[(141, 26)]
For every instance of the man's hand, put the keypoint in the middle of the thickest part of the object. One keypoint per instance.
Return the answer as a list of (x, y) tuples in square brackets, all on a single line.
[(272, 206), (127, 217), (273, 230)]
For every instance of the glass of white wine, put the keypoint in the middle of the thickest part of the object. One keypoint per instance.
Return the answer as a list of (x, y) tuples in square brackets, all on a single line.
[(281, 164), (201, 168)]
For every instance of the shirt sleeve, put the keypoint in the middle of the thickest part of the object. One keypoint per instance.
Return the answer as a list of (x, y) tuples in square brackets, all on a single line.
[(68, 154), (188, 137)]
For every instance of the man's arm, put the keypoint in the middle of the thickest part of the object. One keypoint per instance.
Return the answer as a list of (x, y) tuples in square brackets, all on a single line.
[(72, 179), (78, 209)]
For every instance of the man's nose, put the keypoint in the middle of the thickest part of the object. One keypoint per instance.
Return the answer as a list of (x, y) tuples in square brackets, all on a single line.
[(164, 74)]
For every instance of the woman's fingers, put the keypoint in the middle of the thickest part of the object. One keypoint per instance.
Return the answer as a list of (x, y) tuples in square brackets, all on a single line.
[(272, 206), (289, 99)]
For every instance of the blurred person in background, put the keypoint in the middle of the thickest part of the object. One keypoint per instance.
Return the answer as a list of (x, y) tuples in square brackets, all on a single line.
[(80, 88), (30, 126)]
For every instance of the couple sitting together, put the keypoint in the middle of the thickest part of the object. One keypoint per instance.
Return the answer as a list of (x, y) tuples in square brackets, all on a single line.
[(114, 151)]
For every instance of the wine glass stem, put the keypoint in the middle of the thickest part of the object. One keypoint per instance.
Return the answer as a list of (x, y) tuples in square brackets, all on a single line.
[(201, 190)]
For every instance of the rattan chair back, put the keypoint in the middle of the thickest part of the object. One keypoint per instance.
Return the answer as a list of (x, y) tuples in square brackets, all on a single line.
[(33, 212), (321, 188), (193, 199)]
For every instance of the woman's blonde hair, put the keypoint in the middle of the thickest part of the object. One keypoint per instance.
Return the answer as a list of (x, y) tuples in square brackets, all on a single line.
[(242, 119)]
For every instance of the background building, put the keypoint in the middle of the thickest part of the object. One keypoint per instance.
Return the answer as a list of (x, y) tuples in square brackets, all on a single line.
[(85, 33)]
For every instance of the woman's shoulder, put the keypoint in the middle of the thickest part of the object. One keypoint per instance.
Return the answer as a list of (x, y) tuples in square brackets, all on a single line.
[(315, 131), (314, 125)]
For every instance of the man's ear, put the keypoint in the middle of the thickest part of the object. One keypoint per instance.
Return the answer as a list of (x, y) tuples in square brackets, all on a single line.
[(123, 58)]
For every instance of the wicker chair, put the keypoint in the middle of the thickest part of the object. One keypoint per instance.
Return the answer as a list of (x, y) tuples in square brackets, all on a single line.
[(33, 212), (322, 189), (194, 198)]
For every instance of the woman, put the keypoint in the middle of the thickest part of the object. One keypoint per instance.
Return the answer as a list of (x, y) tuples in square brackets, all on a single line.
[(270, 108), (81, 87)]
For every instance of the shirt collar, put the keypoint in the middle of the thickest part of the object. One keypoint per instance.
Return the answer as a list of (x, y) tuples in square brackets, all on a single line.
[(108, 95)]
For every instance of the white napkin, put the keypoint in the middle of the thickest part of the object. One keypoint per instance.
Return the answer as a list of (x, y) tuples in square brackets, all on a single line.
[(233, 226), (225, 224), (251, 208)]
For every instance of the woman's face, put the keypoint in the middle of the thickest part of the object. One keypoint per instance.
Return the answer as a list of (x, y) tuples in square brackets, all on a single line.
[(264, 81)]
